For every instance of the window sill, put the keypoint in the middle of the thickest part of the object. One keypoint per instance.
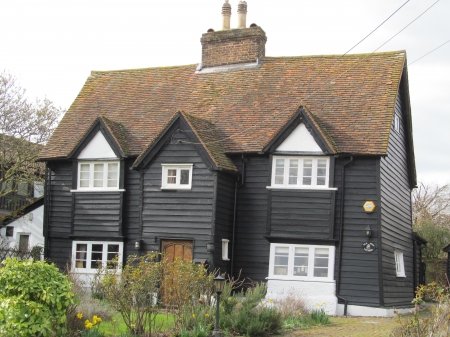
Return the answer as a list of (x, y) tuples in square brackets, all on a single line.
[(91, 190), (401, 276), (176, 188), (276, 278), (302, 188)]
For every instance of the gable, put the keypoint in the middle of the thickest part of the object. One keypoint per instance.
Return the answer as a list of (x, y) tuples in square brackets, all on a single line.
[(98, 147), (300, 140)]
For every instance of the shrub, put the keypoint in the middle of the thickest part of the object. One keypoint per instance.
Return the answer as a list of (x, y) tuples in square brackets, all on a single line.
[(34, 299), (132, 291), (437, 324)]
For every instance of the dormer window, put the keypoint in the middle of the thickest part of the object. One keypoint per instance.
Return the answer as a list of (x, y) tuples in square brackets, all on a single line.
[(300, 172), (98, 175), (176, 176)]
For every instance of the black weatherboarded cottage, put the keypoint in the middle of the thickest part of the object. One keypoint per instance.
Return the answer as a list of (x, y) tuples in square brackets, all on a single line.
[(295, 170)]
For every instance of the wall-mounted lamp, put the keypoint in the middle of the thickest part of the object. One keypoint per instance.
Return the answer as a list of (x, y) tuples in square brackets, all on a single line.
[(210, 247), (369, 207), (368, 231), (137, 244)]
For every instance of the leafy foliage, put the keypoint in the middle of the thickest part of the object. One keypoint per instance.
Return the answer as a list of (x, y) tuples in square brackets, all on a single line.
[(24, 127), (437, 324), (34, 299)]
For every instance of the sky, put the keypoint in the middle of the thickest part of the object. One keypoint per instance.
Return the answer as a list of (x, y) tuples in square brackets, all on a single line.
[(51, 46)]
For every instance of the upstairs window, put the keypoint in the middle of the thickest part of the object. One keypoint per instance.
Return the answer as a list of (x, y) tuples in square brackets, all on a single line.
[(98, 175), (396, 123), (176, 176), (300, 172), (308, 262), (399, 263)]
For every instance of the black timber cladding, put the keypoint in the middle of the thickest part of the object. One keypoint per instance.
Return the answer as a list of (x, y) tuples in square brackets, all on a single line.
[(359, 278), (178, 214), (396, 218)]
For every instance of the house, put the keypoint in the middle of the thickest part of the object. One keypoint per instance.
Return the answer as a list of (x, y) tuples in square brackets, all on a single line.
[(296, 170), (23, 228)]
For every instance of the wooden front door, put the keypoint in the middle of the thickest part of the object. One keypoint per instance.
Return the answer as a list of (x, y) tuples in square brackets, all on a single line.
[(172, 250)]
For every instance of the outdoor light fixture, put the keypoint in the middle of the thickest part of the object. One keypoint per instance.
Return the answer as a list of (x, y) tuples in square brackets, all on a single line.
[(210, 247), (137, 244), (219, 283), (368, 231)]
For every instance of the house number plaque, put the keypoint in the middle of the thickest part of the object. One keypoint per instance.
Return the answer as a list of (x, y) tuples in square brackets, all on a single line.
[(368, 247)]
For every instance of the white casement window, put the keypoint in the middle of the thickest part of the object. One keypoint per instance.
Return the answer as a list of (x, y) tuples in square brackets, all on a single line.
[(399, 263), (98, 175), (396, 123), (300, 172), (301, 262), (225, 250), (88, 256), (176, 176)]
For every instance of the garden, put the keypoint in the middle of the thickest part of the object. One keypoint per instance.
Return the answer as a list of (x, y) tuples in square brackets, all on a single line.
[(149, 296)]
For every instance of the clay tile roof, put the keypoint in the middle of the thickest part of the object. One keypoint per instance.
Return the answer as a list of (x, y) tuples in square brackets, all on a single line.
[(211, 141), (117, 130), (350, 98)]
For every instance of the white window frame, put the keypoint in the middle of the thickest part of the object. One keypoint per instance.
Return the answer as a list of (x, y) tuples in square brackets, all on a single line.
[(396, 123), (299, 184), (89, 244), (105, 176), (311, 256), (399, 263), (225, 249), (176, 186)]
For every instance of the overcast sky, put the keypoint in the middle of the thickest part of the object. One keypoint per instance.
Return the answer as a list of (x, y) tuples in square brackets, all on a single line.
[(51, 46)]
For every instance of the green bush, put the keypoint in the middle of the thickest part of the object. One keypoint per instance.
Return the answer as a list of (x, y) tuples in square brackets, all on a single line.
[(246, 312), (34, 299)]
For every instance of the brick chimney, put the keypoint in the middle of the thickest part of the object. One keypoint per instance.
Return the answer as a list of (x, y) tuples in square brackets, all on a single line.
[(233, 46)]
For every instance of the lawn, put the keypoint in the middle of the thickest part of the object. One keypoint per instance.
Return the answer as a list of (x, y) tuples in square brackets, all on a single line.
[(116, 326)]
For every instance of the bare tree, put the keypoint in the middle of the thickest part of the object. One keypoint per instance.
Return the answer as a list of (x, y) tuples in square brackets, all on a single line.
[(431, 202), (25, 126)]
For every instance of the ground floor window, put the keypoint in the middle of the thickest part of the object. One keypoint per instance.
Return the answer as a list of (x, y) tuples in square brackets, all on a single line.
[(399, 263), (88, 256), (308, 262)]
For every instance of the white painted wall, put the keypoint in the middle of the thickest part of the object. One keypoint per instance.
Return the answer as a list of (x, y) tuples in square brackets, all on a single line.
[(97, 148), (300, 140), (24, 225), (358, 310), (312, 293)]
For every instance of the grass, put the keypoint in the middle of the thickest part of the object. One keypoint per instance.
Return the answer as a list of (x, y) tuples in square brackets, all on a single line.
[(117, 326)]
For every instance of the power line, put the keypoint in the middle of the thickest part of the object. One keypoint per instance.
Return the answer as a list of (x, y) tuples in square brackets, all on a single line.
[(375, 28), (428, 53)]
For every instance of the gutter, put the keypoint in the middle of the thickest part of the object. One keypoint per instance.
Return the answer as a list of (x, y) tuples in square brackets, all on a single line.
[(237, 186), (341, 234)]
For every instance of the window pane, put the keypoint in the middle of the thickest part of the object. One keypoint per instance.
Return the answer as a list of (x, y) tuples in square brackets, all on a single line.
[(321, 262), (81, 256), (113, 174), (281, 261), (96, 255), (293, 171), (22, 189), (279, 171), (172, 176), (84, 175), (301, 261), (113, 253), (184, 177), (307, 171), (98, 175), (321, 171)]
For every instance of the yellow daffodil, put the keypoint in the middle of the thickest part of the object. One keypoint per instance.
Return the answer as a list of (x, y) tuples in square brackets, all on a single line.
[(88, 325), (263, 303), (206, 315), (323, 303), (317, 304), (80, 315), (271, 301), (193, 315), (229, 299), (239, 304)]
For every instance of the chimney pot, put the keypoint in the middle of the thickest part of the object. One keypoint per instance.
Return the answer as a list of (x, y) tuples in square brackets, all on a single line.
[(226, 14), (242, 14)]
